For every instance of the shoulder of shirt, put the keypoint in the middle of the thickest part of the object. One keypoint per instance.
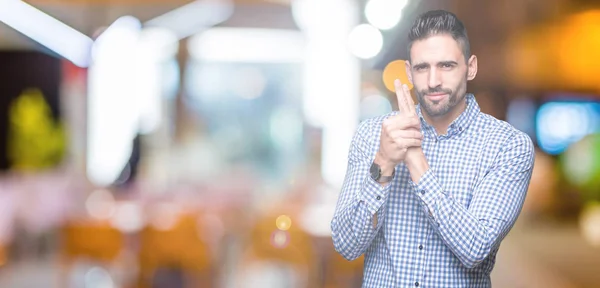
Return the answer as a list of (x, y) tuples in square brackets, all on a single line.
[(504, 131)]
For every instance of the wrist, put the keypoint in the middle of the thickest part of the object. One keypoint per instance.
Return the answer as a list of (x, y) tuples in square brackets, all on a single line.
[(416, 162), (387, 166), (413, 156)]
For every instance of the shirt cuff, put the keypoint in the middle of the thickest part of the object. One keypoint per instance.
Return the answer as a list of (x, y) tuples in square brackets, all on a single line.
[(374, 194), (428, 190)]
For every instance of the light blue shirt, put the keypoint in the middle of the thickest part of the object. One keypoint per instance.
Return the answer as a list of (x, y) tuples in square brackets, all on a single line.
[(445, 231)]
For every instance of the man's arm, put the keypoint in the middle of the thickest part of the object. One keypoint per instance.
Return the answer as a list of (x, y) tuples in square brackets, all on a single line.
[(360, 210), (472, 233)]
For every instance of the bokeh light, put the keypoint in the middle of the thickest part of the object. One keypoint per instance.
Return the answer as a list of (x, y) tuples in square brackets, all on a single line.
[(365, 41), (164, 216), (128, 217), (248, 83), (543, 184), (374, 105), (280, 239), (100, 204), (560, 124), (384, 14), (395, 70), (98, 277), (581, 166), (578, 34), (589, 223), (283, 222)]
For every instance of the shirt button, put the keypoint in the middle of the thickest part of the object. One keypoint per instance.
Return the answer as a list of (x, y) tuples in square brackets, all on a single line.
[(417, 284), (378, 197), (459, 128), (422, 192), (420, 247)]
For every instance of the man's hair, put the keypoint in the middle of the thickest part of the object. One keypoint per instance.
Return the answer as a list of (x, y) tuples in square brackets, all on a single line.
[(437, 22)]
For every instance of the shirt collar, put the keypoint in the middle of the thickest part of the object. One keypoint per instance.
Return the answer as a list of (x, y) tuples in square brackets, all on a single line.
[(459, 124)]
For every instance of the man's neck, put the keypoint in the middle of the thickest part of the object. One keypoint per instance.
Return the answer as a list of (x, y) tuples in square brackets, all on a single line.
[(441, 123)]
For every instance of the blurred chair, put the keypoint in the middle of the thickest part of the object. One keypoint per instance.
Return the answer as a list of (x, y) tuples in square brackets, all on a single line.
[(3, 255), (95, 241), (178, 250), (269, 247)]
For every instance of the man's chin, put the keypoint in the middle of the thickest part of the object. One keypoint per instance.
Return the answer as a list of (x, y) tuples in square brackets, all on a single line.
[(437, 109), (436, 105)]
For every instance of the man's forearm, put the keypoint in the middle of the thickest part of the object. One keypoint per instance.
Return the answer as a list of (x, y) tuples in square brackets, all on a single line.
[(416, 163), (470, 239), (447, 215), (360, 211), (352, 230)]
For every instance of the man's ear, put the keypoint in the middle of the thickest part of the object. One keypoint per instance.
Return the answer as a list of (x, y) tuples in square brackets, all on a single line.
[(472, 68), (408, 72)]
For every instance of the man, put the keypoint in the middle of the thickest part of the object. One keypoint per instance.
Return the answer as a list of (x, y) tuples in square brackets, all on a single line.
[(431, 190)]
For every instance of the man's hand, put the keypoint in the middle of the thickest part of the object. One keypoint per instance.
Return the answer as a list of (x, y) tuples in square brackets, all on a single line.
[(399, 133), (414, 157)]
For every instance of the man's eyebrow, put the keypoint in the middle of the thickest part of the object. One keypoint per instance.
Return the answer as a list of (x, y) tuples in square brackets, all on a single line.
[(421, 65), (449, 62), (425, 64)]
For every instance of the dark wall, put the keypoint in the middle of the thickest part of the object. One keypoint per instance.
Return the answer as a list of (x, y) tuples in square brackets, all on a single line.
[(20, 70)]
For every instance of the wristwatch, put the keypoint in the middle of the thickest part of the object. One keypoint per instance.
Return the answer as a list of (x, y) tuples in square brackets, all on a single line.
[(375, 171)]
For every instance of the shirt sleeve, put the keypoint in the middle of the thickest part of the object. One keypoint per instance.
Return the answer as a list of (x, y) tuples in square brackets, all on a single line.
[(360, 200), (472, 233)]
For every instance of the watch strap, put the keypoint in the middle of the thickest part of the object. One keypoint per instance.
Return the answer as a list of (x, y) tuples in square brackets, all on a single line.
[(376, 174), (384, 179)]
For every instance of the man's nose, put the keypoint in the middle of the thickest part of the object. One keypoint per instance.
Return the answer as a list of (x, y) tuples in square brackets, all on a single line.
[(434, 78)]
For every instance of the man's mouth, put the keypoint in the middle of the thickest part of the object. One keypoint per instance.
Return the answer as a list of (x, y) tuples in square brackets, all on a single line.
[(436, 96)]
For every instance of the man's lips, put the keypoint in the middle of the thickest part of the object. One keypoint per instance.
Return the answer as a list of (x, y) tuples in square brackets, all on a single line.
[(436, 96)]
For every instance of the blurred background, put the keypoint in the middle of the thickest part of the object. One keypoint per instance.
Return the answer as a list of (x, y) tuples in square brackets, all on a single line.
[(177, 143)]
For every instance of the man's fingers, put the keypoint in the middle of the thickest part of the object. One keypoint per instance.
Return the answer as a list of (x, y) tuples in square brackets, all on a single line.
[(402, 104), (401, 122), (409, 100), (406, 134), (408, 143)]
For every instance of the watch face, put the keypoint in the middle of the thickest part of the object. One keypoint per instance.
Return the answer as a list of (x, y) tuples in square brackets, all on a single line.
[(375, 171)]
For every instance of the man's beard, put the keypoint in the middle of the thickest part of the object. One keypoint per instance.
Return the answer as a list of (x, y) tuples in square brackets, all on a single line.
[(437, 108)]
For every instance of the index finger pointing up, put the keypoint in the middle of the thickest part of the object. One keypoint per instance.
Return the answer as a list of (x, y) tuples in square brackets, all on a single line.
[(405, 101), (400, 91), (409, 100)]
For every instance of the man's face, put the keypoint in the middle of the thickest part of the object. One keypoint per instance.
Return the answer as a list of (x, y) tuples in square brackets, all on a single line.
[(439, 73)]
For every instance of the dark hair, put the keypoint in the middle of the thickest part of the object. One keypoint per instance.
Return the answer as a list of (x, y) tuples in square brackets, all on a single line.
[(439, 22)]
